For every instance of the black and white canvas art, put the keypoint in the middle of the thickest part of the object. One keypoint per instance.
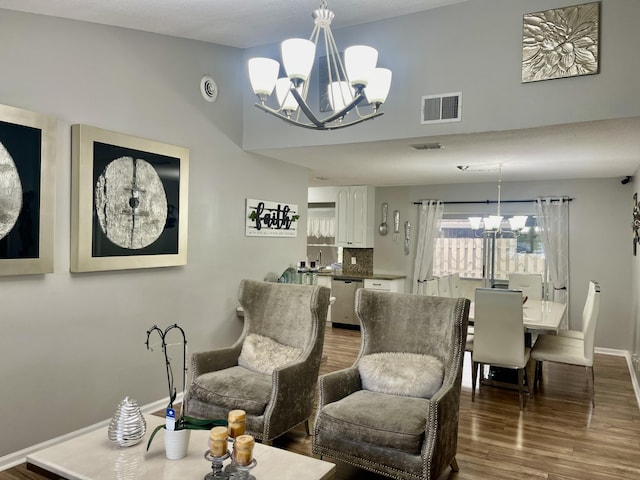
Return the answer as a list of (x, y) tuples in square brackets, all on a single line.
[(27, 148), (131, 205)]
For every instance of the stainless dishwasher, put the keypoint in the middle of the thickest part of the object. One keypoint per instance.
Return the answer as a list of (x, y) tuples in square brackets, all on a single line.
[(343, 310)]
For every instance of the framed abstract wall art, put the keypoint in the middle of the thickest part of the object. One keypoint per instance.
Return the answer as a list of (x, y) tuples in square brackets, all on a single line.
[(129, 201), (27, 191), (561, 43)]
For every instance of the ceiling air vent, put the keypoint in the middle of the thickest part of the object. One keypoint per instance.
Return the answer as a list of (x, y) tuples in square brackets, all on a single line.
[(426, 146), (446, 107)]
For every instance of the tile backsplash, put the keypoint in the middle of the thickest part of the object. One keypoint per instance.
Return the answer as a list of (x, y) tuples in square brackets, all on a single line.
[(364, 261)]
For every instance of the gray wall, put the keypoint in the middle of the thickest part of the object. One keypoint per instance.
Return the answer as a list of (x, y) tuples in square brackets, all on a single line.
[(474, 47), (72, 346), (600, 245)]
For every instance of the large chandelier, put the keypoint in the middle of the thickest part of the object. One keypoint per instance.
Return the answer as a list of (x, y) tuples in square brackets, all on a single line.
[(351, 85)]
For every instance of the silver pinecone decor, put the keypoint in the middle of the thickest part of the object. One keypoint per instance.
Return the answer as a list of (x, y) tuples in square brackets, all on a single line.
[(127, 427)]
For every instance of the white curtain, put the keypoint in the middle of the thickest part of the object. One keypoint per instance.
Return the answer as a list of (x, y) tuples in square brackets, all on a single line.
[(553, 220), (430, 214), (321, 227)]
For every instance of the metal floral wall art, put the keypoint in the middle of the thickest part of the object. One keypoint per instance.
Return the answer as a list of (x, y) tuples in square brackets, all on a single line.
[(561, 43)]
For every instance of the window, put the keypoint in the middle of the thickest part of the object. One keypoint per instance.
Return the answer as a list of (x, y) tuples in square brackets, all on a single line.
[(460, 249)]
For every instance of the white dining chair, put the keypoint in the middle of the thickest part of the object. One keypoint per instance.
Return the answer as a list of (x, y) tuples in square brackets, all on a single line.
[(444, 289), (499, 335), (431, 287), (572, 347), (454, 285), (529, 283), (593, 288)]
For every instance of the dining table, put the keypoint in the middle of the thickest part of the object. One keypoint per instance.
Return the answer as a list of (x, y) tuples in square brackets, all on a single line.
[(538, 315)]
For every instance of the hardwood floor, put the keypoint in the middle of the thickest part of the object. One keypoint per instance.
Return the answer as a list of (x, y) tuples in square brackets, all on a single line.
[(558, 437)]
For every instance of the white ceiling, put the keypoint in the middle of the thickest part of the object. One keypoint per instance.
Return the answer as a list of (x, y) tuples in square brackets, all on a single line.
[(589, 150), (237, 23), (600, 149)]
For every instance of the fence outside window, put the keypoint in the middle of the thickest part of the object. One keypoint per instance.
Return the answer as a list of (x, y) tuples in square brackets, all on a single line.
[(459, 248), (465, 255)]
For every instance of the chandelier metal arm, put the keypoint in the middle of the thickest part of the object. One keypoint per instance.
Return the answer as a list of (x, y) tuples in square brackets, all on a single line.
[(312, 126), (346, 109), (305, 108)]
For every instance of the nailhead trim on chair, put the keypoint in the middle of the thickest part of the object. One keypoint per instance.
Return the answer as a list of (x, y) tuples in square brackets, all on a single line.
[(314, 322)]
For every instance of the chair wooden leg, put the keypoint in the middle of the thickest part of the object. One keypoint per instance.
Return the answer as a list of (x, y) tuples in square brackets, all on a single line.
[(474, 376), (521, 387), (306, 427), (591, 379), (454, 465), (537, 375)]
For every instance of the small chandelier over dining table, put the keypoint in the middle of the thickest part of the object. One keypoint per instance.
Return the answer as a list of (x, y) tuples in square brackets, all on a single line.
[(493, 223), (350, 84)]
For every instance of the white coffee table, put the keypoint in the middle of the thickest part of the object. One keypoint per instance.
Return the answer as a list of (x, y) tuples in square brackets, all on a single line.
[(93, 456)]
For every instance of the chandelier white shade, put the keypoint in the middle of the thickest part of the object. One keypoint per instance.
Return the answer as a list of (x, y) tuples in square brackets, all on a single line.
[(263, 73), (360, 61), (285, 98), (351, 85), (379, 86), (297, 58), (518, 222), (492, 222), (475, 222)]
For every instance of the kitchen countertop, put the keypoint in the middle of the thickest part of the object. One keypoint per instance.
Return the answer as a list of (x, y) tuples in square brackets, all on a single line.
[(374, 276)]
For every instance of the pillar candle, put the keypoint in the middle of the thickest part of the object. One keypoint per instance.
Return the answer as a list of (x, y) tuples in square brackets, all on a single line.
[(243, 449), (218, 441), (236, 421)]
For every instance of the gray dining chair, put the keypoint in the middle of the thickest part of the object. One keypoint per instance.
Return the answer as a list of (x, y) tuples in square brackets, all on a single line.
[(498, 338), (572, 347)]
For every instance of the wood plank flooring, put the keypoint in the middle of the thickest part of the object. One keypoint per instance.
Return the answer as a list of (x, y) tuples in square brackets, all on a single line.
[(558, 437)]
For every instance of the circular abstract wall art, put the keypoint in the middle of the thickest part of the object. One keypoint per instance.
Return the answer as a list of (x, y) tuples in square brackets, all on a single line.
[(131, 203), (10, 192)]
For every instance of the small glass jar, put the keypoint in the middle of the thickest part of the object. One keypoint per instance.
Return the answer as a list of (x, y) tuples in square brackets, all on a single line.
[(218, 441), (236, 423), (243, 450)]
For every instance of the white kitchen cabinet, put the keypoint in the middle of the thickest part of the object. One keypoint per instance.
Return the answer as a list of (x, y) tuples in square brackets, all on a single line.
[(355, 212), (396, 285)]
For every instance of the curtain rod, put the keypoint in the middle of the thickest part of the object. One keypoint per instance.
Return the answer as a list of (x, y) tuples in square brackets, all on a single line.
[(488, 202)]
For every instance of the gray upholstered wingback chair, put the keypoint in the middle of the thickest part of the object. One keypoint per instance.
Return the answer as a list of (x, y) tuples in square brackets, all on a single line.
[(391, 412), (272, 369)]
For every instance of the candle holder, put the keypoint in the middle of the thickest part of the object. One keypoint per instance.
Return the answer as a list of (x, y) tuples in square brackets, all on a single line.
[(241, 472), (216, 466)]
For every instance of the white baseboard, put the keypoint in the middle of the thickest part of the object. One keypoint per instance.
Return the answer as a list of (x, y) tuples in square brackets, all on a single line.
[(626, 354), (19, 457)]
